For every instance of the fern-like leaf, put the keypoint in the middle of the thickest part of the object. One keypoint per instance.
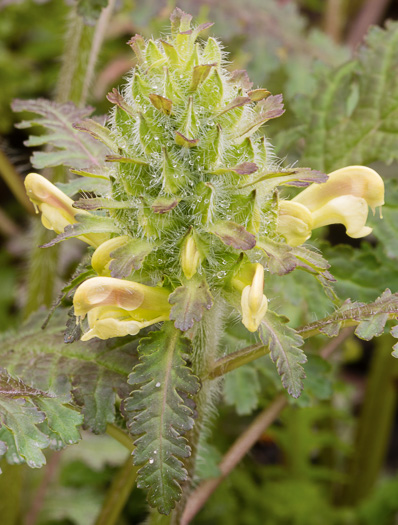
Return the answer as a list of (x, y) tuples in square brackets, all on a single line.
[(284, 344), (158, 412), (31, 420)]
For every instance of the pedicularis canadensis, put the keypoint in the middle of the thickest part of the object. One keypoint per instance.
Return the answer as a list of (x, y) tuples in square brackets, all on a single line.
[(189, 225)]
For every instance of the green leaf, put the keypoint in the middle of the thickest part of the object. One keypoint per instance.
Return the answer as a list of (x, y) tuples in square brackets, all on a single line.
[(91, 372), (283, 259), (98, 132), (299, 177), (159, 412), (86, 184), (70, 148), (357, 271), (190, 302), (87, 224), (128, 257), (386, 228), (284, 344), (241, 389), (234, 235), (29, 417), (337, 135)]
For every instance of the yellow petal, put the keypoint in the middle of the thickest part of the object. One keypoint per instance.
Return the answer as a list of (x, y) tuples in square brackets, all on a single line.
[(295, 222), (101, 257), (128, 295), (106, 322), (190, 257), (55, 206), (253, 301), (358, 181), (348, 210)]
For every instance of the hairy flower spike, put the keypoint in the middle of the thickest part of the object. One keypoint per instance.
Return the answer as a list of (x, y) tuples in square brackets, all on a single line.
[(192, 198), (343, 199)]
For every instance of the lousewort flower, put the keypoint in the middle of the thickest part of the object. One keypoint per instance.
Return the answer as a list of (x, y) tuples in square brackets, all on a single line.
[(116, 307), (343, 199), (56, 208)]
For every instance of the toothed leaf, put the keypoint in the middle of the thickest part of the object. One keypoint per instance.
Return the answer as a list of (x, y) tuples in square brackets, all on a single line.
[(158, 413)]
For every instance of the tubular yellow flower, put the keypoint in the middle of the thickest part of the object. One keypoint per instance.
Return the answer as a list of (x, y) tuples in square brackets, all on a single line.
[(295, 222), (56, 208), (253, 301), (101, 258), (190, 257), (116, 307), (343, 199)]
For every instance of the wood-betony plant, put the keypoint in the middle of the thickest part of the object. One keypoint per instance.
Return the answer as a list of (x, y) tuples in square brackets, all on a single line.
[(184, 224)]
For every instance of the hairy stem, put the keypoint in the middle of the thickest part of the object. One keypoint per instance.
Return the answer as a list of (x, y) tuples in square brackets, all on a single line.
[(116, 498), (99, 35), (12, 179), (234, 455)]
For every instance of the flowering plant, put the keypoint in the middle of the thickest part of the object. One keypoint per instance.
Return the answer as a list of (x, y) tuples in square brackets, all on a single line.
[(189, 223)]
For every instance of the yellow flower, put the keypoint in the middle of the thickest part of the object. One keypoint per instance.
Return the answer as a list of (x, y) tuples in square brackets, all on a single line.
[(56, 208), (101, 258), (250, 282), (343, 199), (116, 307)]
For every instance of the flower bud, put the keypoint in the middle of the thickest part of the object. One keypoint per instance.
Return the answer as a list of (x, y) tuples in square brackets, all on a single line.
[(190, 257), (117, 307), (253, 301), (101, 258)]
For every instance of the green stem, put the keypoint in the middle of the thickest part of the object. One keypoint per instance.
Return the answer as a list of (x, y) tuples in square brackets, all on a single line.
[(99, 35), (122, 485), (375, 422), (236, 359), (250, 353), (12, 179), (121, 436)]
